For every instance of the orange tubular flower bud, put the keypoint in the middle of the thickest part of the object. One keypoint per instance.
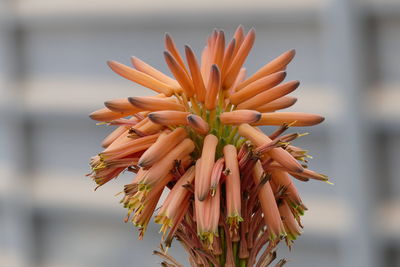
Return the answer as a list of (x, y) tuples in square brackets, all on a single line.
[(257, 87), (196, 74), (169, 117), (140, 78), (130, 147), (114, 135), (121, 105), (268, 204), (162, 167), (240, 116), (239, 37), (198, 124), (203, 181), (105, 114), (232, 185), (171, 47), (291, 118), (269, 95), (176, 197), (214, 85), (228, 57), (275, 65), (281, 156), (239, 59), (219, 50), (146, 68), (180, 74), (162, 146), (280, 103), (155, 104)]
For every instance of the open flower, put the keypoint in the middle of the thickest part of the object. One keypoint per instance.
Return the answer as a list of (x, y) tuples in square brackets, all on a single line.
[(230, 184)]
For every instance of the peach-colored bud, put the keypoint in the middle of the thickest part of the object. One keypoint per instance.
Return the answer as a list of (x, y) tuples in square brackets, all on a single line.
[(128, 148), (121, 105), (105, 114), (214, 85), (291, 118), (146, 68), (140, 78), (228, 57), (155, 104), (146, 127), (232, 185), (165, 165), (171, 47), (257, 87), (162, 146), (203, 181), (180, 74), (197, 78), (169, 117), (275, 65), (268, 204), (198, 124), (174, 202), (219, 49), (278, 154), (237, 117), (114, 135), (269, 95), (239, 59), (280, 103)]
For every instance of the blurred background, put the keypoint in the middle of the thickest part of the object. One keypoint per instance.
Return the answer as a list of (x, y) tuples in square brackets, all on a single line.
[(53, 73)]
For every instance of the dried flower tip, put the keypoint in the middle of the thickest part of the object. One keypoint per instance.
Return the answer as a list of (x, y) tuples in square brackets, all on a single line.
[(257, 87), (237, 117), (140, 78), (198, 124), (269, 95), (292, 118), (169, 117)]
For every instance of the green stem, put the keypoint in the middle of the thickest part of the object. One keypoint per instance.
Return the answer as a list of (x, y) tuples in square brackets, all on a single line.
[(235, 246), (242, 263)]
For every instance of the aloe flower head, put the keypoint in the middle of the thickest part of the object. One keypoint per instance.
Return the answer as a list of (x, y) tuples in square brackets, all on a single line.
[(230, 197)]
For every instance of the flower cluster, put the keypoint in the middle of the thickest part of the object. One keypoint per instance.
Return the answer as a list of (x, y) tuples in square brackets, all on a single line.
[(229, 185)]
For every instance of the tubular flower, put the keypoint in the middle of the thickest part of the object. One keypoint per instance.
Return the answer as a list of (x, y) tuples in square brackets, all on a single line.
[(231, 189)]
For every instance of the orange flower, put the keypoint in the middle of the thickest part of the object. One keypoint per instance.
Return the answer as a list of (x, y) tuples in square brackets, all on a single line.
[(231, 189)]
